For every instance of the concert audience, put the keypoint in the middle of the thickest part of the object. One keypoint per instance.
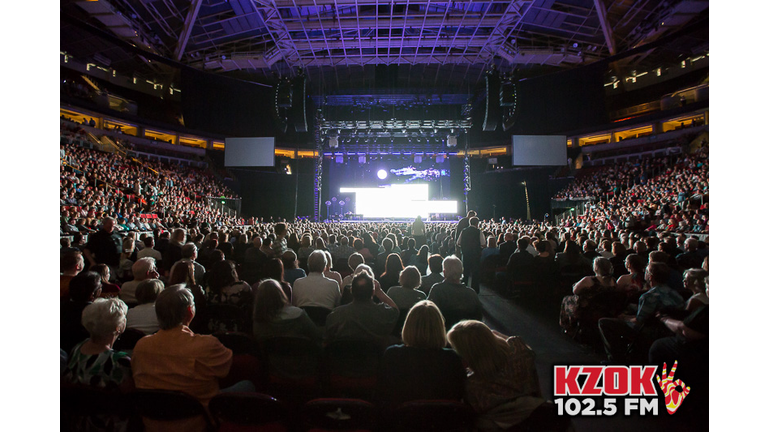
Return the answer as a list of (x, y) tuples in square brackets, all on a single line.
[(642, 329), (503, 386), (142, 270), (83, 290), (292, 269), (273, 269), (273, 314), (594, 297), (93, 362), (315, 289), (225, 286), (108, 289), (636, 205), (142, 317), (435, 262), (363, 319), (422, 367), (407, 293), (72, 264), (177, 359), (391, 275), (454, 299)]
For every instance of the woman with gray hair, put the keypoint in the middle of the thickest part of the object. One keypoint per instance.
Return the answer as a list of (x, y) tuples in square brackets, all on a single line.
[(93, 361)]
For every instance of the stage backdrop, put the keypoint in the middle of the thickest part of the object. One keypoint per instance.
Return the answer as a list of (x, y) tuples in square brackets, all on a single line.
[(444, 177)]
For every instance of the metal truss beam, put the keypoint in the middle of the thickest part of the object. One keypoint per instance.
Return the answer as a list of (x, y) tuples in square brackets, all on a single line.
[(374, 23), (410, 42), (311, 3), (189, 23), (279, 33), (607, 30), (510, 19)]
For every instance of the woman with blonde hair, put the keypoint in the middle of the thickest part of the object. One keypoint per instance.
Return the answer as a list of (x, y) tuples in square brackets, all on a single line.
[(422, 367), (502, 384)]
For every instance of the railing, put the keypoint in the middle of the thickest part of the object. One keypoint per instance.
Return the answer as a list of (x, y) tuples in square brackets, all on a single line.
[(571, 207), (227, 206)]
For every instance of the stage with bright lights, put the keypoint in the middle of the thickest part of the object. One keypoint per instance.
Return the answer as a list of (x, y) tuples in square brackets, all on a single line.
[(392, 188)]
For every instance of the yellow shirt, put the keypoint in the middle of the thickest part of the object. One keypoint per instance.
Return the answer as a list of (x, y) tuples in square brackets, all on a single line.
[(177, 359)]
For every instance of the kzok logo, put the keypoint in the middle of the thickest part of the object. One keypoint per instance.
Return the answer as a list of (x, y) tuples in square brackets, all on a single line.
[(617, 381), (625, 381), (672, 397)]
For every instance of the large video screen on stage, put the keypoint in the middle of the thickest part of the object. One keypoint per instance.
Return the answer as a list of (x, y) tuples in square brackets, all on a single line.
[(360, 185), (398, 201), (373, 171)]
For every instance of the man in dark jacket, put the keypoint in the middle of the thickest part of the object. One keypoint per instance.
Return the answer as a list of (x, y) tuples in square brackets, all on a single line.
[(520, 263), (471, 241), (105, 246)]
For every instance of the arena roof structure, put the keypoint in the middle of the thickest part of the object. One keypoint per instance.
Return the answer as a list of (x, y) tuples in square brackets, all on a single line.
[(436, 44)]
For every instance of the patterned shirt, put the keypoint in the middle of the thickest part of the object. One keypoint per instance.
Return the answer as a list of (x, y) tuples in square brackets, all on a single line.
[(279, 247), (107, 369), (518, 378), (656, 299)]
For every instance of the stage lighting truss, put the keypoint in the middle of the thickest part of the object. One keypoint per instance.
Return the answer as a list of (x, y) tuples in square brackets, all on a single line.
[(346, 125), (390, 136)]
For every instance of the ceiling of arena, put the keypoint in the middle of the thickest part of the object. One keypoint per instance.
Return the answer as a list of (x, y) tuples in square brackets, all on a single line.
[(447, 44)]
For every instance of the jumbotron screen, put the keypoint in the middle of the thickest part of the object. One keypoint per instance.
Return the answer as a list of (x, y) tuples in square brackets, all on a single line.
[(371, 171), (398, 201)]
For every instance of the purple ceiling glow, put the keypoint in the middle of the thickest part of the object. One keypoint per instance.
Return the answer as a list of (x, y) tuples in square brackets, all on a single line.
[(434, 43)]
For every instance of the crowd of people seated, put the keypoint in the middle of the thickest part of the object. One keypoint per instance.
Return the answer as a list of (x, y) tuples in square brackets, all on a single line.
[(669, 193), (94, 184), (638, 293)]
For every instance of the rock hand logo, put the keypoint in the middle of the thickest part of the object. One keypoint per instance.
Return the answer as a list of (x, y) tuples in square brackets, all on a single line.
[(672, 397), (608, 389)]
